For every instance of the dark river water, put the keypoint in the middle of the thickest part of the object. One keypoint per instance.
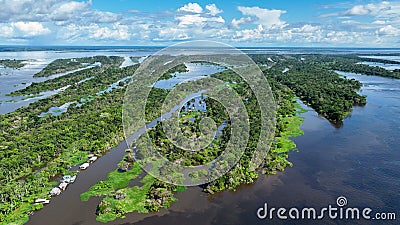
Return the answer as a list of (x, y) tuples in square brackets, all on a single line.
[(360, 160)]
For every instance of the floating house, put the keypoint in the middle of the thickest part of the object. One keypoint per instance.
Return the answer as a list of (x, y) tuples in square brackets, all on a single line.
[(72, 180), (84, 166), (41, 200), (92, 159), (55, 191), (67, 179), (63, 186)]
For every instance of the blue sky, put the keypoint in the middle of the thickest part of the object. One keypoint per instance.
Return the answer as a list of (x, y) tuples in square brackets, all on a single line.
[(310, 23)]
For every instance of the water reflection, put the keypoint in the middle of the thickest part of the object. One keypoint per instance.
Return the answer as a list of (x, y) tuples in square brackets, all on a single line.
[(195, 71), (383, 65)]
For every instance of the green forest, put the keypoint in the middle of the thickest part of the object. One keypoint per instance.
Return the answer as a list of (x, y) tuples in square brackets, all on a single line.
[(65, 65), (35, 150), (12, 63), (318, 86)]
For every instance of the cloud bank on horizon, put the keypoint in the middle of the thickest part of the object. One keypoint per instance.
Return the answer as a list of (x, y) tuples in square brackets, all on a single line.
[(66, 22)]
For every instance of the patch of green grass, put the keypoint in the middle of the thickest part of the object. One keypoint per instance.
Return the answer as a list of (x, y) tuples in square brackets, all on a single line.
[(278, 156), (115, 180), (135, 200), (299, 108), (180, 188), (284, 144), (293, 128), (188, 115), (75, 158)]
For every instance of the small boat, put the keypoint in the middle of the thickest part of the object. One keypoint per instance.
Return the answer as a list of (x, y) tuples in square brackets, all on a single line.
[(67, 178), (41, 200), (84, 166), (63, 186), (55, 191), (72, 180), (92, 159)]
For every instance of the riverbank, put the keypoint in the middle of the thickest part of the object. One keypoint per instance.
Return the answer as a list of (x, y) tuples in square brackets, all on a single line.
[(277, 160)]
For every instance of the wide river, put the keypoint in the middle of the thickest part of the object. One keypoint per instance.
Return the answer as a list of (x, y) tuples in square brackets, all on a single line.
[(360, 161)]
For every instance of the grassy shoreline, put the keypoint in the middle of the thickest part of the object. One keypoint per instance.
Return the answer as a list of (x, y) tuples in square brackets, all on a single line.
[(277, 160)]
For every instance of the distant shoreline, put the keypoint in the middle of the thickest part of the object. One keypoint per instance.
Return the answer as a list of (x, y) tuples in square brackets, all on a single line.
[(272, 49)]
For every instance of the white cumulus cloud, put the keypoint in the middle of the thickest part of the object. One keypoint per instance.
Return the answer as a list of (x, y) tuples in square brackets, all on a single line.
[(66, 10), (235, 23), (197, 19), (191, 7), (266, 17), (389, 30), (116, 32), (213, 9), (31, 28), (6, 31), (307, 28), (358, 10), (382, 9)]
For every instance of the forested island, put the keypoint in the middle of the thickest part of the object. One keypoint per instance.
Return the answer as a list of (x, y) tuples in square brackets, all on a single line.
[(317, 85), (12, 63), (65, 65), (35, 150), (353, 64)]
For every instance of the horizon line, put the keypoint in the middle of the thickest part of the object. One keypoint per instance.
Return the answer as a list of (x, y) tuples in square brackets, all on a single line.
[(165, 46)]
